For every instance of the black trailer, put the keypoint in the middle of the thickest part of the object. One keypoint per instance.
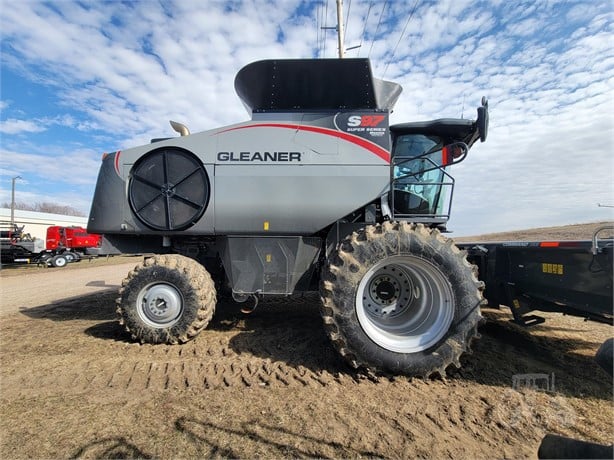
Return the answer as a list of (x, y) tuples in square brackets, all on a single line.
[(571, 277)]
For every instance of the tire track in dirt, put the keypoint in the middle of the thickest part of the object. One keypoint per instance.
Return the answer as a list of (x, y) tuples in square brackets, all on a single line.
[(79, 347), (135, 376), (280, 345)]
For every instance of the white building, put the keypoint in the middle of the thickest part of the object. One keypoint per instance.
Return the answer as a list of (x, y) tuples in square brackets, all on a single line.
[(36, 223)]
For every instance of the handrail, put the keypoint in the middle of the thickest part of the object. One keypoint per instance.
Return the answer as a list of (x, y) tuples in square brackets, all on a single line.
[(446, 181), (595, 246)]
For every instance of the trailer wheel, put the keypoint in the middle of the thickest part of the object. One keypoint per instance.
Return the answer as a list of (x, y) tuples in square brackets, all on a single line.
[(44, 258), (71, 256), (167, 299), (59, 260), (400, 298)]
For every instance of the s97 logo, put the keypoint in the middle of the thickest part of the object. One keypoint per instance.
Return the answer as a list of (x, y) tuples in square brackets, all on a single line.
[(365, 121), (371, 126)]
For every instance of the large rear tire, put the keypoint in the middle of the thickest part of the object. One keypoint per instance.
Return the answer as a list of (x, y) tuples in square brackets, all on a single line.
[(400, 298), (167, 299)]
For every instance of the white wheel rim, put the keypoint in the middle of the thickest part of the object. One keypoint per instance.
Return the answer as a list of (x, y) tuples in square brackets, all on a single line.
[(159, 305), (405, 304)]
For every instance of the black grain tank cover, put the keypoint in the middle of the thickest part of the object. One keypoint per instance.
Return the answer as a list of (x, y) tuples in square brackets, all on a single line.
[(295, 85)]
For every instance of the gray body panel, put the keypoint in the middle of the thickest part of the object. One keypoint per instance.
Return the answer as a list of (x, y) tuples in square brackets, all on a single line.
[(269, 265), (265, 176), (291, 199)]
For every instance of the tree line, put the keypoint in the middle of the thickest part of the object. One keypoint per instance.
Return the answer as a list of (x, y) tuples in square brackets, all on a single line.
[(51, 208)]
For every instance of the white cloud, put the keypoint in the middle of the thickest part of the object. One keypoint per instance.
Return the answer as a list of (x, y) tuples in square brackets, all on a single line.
[(120, 70), (13, 126), (79, 167)]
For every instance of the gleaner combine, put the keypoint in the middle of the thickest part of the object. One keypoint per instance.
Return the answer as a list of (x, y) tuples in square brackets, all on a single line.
[(316, 192)]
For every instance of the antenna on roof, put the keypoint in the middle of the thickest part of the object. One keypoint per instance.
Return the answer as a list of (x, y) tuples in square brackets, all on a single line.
[(339, 28)]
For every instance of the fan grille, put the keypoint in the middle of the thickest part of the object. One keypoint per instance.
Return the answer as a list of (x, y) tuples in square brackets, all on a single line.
[(169, 189)]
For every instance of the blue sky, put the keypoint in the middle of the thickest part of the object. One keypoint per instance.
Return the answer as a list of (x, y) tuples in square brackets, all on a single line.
[(82, 78)]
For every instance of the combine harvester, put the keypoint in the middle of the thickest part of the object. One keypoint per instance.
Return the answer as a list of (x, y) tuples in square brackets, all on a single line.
[(317, 192)]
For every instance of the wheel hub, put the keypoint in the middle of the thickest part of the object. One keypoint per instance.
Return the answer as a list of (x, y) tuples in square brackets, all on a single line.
[(161, 305), (387, 290), (390, 293)]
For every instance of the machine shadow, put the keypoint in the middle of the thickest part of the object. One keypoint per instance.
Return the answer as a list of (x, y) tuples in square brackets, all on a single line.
[(277, 441), (115, 447), (290, 331), (98, 306), (505, 350)]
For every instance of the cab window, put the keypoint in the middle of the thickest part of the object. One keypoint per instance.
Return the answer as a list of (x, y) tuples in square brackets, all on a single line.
[(416, 177)]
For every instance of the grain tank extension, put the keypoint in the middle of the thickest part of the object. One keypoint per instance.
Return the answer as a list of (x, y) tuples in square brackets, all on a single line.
[(316, 192)]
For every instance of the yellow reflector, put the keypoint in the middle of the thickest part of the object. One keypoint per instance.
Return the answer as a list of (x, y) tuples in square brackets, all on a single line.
[(266, 225)]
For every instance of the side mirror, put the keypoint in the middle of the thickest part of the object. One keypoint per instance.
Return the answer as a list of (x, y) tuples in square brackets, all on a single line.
[(453, 153), (482, 120)]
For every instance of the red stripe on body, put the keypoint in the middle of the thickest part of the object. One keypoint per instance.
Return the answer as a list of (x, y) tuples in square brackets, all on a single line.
[(370, 146), (116, 162)]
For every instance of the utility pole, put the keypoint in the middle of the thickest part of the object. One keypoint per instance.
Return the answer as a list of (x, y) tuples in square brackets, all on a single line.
[(340, 27), (13, 201)]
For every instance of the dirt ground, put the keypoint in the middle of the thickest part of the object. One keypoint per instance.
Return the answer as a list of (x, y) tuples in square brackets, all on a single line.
[(270, 385)]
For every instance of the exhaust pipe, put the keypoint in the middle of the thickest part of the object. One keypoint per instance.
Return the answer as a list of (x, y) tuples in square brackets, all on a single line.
[(180, 128)]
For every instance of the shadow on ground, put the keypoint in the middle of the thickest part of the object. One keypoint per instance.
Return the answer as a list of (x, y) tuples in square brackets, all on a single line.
[(276, 441), (116, 447), (96, 307)]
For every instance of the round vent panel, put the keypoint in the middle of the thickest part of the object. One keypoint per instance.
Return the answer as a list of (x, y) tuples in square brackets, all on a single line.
[(169, 189)]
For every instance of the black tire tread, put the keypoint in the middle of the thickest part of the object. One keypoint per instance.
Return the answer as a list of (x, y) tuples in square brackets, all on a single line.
[(384, 238), (200, 281)]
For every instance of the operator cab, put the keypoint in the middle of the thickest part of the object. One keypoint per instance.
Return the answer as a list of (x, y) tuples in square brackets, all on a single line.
[(421, 187), (416, 175)]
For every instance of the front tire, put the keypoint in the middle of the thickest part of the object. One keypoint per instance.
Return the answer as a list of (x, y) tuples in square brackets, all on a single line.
[(400, 298), (167, 299)]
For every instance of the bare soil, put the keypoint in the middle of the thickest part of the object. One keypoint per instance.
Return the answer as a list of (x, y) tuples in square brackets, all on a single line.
[(269, 384)]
